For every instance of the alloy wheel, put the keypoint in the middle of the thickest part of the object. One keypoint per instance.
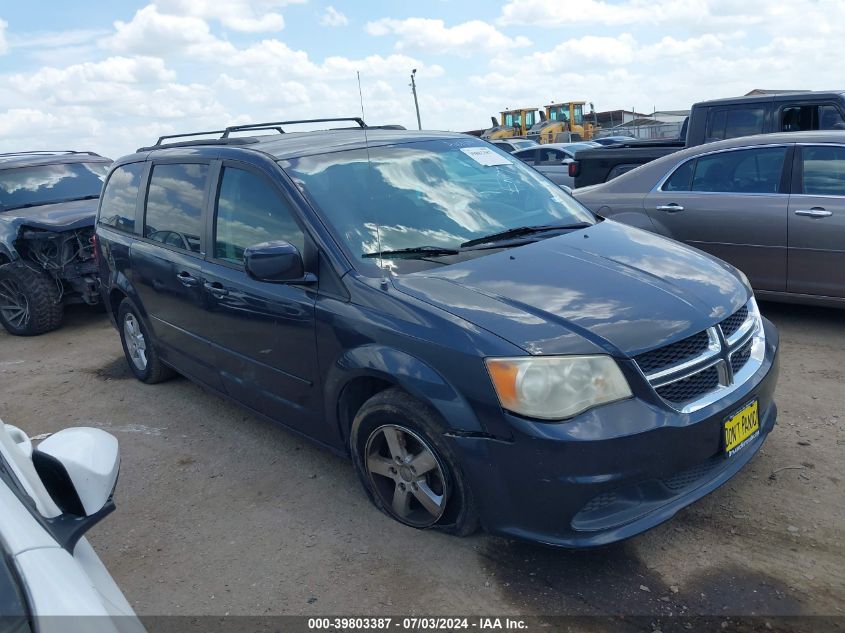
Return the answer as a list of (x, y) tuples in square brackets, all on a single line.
[(13, 304), (407, 475), (136, 345)]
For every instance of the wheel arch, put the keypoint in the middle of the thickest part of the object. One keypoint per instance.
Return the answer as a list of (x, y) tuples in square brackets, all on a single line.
[(362, 372)]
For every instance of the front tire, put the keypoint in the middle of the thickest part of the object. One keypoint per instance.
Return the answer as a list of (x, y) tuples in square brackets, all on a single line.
[(141, 355), (30, 302), (406, 467)]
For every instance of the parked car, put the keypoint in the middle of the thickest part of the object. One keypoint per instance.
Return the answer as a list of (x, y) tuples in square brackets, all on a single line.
[(552, 159), (50, 577), (484, 348), (48, 201), (614, 140), (512, 145), (772, 205), (717, 120)]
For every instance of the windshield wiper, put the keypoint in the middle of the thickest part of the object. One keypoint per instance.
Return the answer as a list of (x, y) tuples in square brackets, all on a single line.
[(414, 251), (521, 231)]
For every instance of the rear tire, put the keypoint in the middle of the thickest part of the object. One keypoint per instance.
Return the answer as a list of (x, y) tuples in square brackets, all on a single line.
[(407, 469), (141, 355), (30, 303)]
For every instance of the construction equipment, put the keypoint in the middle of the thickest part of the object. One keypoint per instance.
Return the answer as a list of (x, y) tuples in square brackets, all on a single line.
[(514, 123), (562, 122)]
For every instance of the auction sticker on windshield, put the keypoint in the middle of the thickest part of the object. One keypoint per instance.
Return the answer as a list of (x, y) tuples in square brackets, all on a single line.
[(485, 156), (742, 428)]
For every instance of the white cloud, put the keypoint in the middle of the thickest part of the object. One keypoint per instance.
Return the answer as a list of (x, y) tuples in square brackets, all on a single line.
[(333, 17), (78, 78), (238, 15), (153, 33), (433, 36), (630, 13), (3, 45)]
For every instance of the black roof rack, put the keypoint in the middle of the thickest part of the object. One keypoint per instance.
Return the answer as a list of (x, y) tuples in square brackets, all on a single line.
[(241, 140), (225, 139), (46, 152), (277, 125), (186, 134)]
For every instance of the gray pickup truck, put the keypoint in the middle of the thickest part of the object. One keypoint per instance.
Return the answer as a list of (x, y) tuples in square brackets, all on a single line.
[(714, 121)]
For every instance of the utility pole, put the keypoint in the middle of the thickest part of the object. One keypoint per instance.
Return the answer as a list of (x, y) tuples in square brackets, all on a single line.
[(416, 103)]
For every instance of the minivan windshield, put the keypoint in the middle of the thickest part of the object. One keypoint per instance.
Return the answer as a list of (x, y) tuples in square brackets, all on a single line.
[(433, 195), (22, 187)]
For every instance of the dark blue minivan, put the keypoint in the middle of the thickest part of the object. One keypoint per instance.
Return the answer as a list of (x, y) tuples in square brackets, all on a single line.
[(487, 351)]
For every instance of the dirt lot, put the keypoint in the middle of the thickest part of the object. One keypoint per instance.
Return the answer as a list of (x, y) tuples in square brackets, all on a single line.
[(222, 513)]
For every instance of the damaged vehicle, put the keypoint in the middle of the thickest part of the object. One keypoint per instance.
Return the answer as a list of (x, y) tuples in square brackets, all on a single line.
[(48, 201)]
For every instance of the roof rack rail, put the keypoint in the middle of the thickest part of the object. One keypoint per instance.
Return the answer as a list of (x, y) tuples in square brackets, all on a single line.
[(185, 135), (241, 140), (277, 125), (46, 152)]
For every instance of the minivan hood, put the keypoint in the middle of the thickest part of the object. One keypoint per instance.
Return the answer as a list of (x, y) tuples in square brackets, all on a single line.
[(610, 287)]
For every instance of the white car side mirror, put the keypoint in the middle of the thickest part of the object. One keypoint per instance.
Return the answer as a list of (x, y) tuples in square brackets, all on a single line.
[(78, 467)]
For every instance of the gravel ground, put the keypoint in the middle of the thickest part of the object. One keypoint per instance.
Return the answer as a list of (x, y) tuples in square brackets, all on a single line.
[(222, 513)]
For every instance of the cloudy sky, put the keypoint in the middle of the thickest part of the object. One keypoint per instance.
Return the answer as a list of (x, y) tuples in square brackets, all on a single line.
[(111, 76)]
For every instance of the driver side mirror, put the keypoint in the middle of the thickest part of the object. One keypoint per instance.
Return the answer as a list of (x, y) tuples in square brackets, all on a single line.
[(276, 262), (79, 467)]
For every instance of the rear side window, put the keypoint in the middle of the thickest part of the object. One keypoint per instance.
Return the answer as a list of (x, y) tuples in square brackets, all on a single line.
[(249, 212), (551, 157), (797, 118), (174, 205), (824, 171), (526, 155), (733, 122), (740, 171), (120, 196), (681, 179)]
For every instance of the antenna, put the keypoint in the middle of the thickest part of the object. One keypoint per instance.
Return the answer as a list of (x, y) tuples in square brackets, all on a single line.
[(369, 184)]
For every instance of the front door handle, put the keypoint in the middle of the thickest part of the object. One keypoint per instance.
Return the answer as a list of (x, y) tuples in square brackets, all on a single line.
[(216, 289), (671, 207), (815, 212), (187, 279)]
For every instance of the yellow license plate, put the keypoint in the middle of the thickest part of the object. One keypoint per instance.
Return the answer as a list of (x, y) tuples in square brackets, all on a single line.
[(742, 428)]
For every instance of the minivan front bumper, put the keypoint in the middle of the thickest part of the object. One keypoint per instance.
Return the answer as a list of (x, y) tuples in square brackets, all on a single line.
[(582, 483)]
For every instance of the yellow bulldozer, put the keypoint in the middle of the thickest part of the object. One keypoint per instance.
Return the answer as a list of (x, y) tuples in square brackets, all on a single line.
[(562, 122), (514, 123)]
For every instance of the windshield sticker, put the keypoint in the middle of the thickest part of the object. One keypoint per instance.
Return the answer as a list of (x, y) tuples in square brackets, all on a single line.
[(485, 156)]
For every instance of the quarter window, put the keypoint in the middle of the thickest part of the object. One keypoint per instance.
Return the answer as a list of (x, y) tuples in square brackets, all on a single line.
[(740, 171), (174, 205), (824, 171), (249, 212), (681, 179), (120, 196)]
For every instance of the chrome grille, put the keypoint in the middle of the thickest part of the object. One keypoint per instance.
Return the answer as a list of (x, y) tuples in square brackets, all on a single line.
[(690, 373), (674, 353), (734, 322), (692, 387), (740, 357)]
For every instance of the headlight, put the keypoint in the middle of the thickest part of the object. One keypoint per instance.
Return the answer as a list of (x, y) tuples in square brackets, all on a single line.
[(556, 387)]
